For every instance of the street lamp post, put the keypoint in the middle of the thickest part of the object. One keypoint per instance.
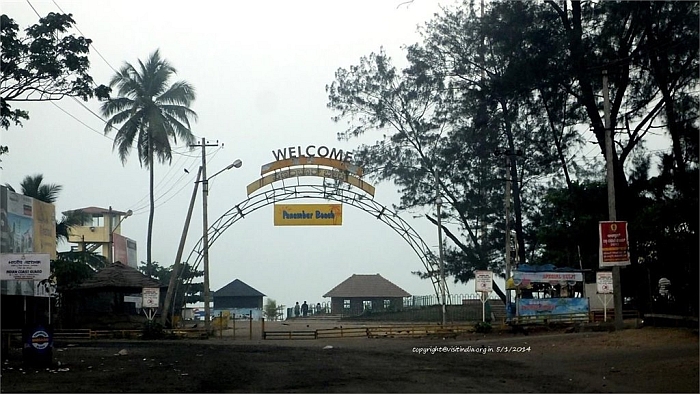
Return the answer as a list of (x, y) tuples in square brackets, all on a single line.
[(205, 237), (112, 229)]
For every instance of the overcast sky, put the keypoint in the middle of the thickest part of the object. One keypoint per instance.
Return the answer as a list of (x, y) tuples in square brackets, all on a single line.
[(260, 69)]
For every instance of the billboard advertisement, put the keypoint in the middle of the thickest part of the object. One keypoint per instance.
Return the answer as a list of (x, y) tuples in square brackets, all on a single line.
[(308, 214), (20, 223), (124, 250), (27, 227), (44, 228)]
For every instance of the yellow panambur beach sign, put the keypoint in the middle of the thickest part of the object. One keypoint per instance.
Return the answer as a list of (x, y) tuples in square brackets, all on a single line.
[(308, 214), (292, 163)]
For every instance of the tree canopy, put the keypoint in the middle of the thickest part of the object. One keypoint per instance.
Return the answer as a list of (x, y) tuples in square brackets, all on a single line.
[(45, 63), (512, 93)]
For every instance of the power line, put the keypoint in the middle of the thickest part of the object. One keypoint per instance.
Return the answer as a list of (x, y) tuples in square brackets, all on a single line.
[(81, 33), (80, 121), (137, 206), (34, 9), (191, 166)]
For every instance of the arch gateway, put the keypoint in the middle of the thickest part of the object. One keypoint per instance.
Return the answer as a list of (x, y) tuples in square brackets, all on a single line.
[(316, 172)]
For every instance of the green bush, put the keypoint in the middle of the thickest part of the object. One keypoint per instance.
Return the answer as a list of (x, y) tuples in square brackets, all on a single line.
[(483, 327), (153, 330)]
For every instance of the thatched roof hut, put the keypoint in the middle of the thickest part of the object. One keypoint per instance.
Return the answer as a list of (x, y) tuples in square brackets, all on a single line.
[(118, 275), (111, 298)]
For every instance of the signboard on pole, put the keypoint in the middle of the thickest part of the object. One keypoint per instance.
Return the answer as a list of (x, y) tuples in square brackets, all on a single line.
[(25, 266), (484, 280), (150, 296), (614, 244), (604, 282)]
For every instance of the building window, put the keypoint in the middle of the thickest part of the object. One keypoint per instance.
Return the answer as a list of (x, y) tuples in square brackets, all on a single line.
[(346, 304), (387, 304), (366, 305), (97, 221)]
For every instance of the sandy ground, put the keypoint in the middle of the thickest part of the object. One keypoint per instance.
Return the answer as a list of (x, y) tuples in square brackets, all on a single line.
[(633, 360)]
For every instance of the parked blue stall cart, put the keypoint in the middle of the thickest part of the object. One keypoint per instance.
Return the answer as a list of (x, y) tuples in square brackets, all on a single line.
[(546, 294)]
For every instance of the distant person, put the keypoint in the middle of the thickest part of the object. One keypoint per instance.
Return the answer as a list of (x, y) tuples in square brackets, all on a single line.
[(296, 309), (318, 307), (304, 309)]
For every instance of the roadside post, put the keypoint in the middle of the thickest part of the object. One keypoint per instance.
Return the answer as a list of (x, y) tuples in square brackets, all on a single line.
[(604, 287), (484, 286), (150, 297)]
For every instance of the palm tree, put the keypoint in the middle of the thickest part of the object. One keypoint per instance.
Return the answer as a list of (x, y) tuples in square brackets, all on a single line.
[(150, 113), (34, 186)]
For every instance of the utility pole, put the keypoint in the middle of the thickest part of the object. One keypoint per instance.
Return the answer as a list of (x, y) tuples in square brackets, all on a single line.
[(507, 209), (612, 213), (438, 202), (175, 273), (110, 252), (205, 235)]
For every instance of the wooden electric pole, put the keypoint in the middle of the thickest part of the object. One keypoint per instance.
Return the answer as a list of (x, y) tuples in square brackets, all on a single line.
[(175, 273)]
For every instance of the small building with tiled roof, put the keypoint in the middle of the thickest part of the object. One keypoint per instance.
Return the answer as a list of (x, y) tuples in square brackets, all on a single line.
[(239, 299), (359, 293)]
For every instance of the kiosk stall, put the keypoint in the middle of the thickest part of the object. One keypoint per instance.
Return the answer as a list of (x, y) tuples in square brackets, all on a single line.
[(546, 294)]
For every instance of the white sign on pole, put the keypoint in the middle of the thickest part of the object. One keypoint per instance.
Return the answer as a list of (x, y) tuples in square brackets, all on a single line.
[(483, 279), (150, 297), (26, 266), (604, 282)]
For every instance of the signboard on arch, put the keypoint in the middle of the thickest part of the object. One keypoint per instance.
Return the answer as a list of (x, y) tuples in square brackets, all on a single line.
[(308, 214)]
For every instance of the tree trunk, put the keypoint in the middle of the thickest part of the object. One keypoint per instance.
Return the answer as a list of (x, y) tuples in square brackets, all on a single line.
[(515, 184), (464, 248), (152, 208)]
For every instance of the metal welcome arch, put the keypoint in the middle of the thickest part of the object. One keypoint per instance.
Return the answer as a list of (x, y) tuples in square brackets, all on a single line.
[(338, 191)]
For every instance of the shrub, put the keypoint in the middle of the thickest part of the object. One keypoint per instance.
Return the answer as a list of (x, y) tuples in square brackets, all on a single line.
[(483, 327), (153, 330)]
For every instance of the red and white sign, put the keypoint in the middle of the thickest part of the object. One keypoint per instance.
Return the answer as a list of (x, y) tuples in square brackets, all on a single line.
[(483, 279), (604, 282), (614, 244)]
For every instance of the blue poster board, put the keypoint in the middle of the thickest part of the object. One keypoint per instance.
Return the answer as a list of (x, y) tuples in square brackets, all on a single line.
[(552, 306)]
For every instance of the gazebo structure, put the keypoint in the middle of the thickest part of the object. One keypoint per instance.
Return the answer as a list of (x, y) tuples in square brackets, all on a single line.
[(365, 292)]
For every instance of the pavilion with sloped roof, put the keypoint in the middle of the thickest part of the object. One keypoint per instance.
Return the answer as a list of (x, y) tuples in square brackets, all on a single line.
[(359, 293)]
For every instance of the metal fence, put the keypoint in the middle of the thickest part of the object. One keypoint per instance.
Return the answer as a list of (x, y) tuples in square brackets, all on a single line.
[(451, 299)]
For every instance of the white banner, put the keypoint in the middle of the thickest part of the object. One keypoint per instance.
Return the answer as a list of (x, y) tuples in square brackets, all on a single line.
[(26, 266), (484, 280), (544, 277), (150, 297)]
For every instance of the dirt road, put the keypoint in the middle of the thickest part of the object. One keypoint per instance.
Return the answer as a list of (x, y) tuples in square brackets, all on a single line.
[(636, 360)]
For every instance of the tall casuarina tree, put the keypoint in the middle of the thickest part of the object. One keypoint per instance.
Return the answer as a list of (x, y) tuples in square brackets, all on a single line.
[(151, 113)]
